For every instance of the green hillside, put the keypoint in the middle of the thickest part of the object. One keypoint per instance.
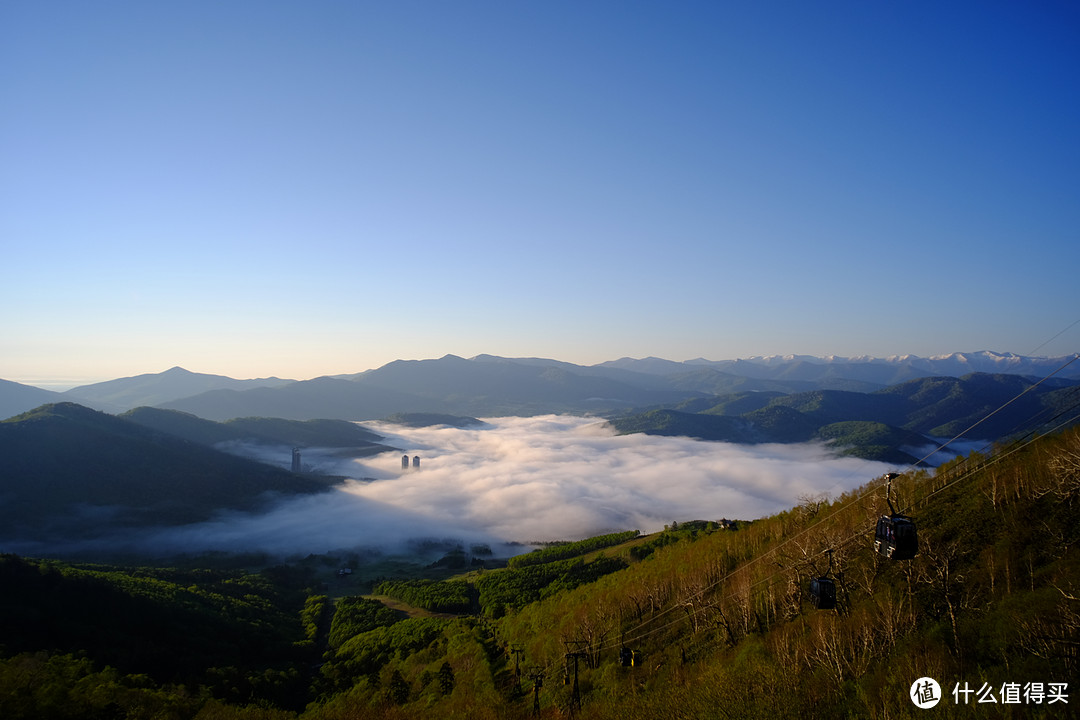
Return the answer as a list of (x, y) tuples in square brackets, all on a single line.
[(717, 616), (739, 403), (697, 425), (418, 420), (309, 433), (72, 471), (978, 406), (872, 441)]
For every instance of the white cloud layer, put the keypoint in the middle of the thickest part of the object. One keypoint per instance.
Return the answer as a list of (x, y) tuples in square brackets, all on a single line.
[(539, 478)]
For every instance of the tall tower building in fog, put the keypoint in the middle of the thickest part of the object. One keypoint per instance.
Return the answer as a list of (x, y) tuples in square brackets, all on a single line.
[(404, 462), (296, 460), (416, 462)]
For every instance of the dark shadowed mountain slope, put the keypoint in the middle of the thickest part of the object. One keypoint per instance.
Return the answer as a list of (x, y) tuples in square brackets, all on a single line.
[(308, 433), (165, 624), (17, 398), (649, 365), (717, 382), (269, 431), (645, 381), (491, 386), (306, 400), (187, 426), (947, 407), (68, 468), (156, 388)]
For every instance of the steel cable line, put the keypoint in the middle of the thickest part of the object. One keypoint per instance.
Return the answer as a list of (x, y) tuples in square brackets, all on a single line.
[(989, 415), (1027, 438), (1044, 344), (1035, 421), (850, 538), (1001, 456)]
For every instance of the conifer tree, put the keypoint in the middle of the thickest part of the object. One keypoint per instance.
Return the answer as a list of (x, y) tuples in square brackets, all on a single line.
[(446, 678)]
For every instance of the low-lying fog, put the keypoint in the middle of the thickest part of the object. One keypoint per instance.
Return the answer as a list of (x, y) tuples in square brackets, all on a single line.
[(524, 479)]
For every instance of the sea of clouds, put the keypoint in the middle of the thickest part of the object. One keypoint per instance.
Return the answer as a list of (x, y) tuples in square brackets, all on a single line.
[(527, 479)]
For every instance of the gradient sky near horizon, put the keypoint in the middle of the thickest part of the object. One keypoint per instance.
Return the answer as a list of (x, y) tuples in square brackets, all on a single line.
[(298, 189)]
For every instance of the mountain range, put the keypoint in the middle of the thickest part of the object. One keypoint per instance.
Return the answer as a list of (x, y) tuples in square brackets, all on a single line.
[(794, 399), (881, 371), (487, 385)]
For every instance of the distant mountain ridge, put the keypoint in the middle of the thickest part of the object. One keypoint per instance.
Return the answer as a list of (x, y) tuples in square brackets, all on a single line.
[(16, 398), (447, 385), (156, 388), (488, 385), (883, 371)]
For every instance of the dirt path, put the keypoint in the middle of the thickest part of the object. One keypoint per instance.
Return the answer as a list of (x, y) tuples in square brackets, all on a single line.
[(413, 612)]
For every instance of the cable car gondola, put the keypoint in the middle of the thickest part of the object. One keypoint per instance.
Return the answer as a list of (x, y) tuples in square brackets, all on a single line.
[(896, 536), (823, 589), (823, 593)]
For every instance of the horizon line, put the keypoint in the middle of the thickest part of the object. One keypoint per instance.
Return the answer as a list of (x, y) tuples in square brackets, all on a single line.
[(63, 384)]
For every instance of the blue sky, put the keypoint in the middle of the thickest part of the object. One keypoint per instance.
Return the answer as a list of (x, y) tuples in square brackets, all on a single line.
[(299, 189)]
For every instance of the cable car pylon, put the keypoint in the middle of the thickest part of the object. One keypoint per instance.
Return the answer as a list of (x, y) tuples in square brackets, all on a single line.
[(537, 676)]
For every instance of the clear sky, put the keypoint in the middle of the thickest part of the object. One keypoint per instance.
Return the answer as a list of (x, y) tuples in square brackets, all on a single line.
[(308, 188)]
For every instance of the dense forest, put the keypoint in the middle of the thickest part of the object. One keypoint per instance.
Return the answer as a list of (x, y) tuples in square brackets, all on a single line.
[(716, 619)]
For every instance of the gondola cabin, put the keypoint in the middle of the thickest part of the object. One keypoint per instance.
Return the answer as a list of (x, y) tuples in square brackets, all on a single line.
[(626, 657), (896, 537), (823, 593)]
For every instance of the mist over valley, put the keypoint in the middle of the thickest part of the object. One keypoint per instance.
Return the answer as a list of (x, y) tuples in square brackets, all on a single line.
[(543, 478), (572, 452)]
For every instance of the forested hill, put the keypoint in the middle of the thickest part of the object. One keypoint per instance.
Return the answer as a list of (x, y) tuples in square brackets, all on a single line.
[(269, 431), (712, 616), (888, 425), (69, 470)]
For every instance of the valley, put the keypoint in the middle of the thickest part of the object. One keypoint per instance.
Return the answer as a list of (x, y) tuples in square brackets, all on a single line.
[(714, 615), (657, 561)]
